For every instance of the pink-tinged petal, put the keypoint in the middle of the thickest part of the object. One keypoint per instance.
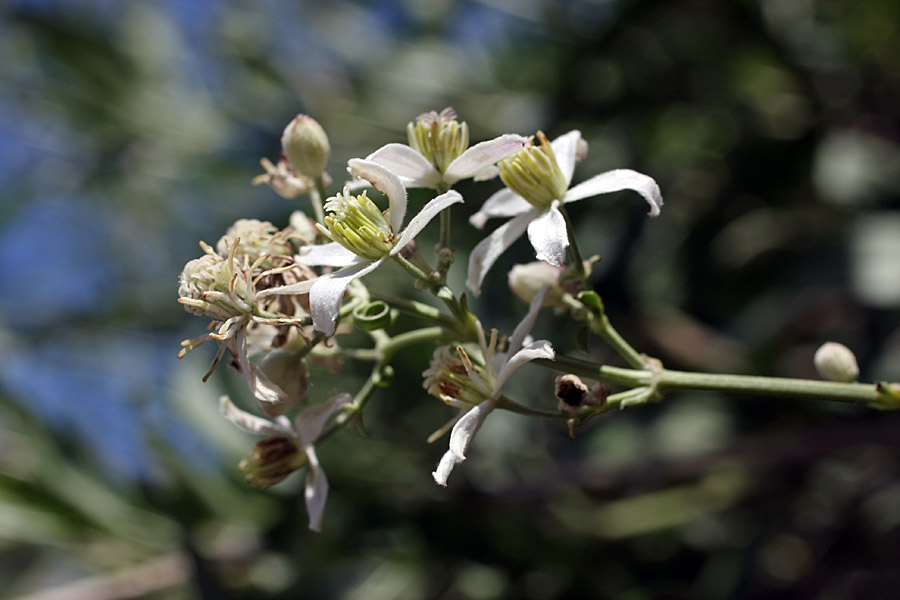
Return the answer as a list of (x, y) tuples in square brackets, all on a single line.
[(251, 423), (504, 203), (483, 155), (547, 233), (310, 422), (618, 180), (316, 492), (486, 174), (385, 182), (327, 293), (532, 351), (488, 250), (565, 147), (326, 255), (525, 326), (445, 467), (424, 216), (409, 165)]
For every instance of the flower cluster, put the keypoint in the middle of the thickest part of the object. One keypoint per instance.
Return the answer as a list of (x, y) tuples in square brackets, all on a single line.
[(286, 294)]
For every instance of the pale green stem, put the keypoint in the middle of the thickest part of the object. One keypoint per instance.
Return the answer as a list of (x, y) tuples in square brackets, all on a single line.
[(583, 273), (317, 196), (604, 329)]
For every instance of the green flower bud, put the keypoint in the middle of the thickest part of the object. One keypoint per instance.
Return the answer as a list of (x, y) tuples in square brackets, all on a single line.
[(534, 174), (306, 146), (438, 137), (835, 362), (356, 223)]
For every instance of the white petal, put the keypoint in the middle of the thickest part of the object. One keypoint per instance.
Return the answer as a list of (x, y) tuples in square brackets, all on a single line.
[(310, 422), (486, 174), (527, 323), (250, 423), (386, 182), (532, 351), (409, 165), (466, 428), (488, 250), (483, 155), (326, 255), (328, 291), (445, 467), (424, 216), (549, 237), (565, 147), (316, 492), (301, 287), (615, 181), (504, 203), (271, 398)]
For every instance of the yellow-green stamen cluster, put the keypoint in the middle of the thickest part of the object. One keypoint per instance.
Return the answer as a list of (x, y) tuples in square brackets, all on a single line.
[(438, 137), (534, 174), (447, 377), (356, 224)]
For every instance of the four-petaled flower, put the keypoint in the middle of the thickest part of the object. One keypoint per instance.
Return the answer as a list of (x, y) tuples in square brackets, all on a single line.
[(301, 435), (475, 388), (363, 239), (538, 179), (439, 154)]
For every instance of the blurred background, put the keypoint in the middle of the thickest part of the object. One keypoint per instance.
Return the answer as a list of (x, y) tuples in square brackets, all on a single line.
[(130, 131)]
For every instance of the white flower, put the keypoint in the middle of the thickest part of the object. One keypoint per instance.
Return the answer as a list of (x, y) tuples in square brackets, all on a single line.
[(364, 239), (305, 430), (481, 384), (538, 178), (439, 152)]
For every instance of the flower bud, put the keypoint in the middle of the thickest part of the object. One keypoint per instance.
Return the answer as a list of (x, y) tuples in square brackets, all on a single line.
[(835, 362), (527, 280), (271, 460), (534, 174), (306, 146)]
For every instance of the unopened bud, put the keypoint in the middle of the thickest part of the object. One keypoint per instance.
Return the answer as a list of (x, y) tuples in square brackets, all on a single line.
[(527, 280), (306, 146), (835, 362)]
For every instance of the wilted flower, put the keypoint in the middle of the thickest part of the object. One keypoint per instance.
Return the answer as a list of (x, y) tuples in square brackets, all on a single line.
[(364, 238), (439, 153), (475, 384), (289, 446), (537, 179)]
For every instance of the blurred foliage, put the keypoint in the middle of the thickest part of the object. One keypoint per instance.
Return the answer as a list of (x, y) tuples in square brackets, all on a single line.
[(128, 131)]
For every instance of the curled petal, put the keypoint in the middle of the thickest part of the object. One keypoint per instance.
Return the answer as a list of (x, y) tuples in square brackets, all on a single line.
[(615, 181), (532, 351), (445, 467), (272, 399), (326, 255), (385, 181), (423, 217), (327, 292), (466, 428), (549, 236), (565, 147), (488, 250), (504, 203), (408, 164), (483, 155), (316, 492), (251, 423)]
